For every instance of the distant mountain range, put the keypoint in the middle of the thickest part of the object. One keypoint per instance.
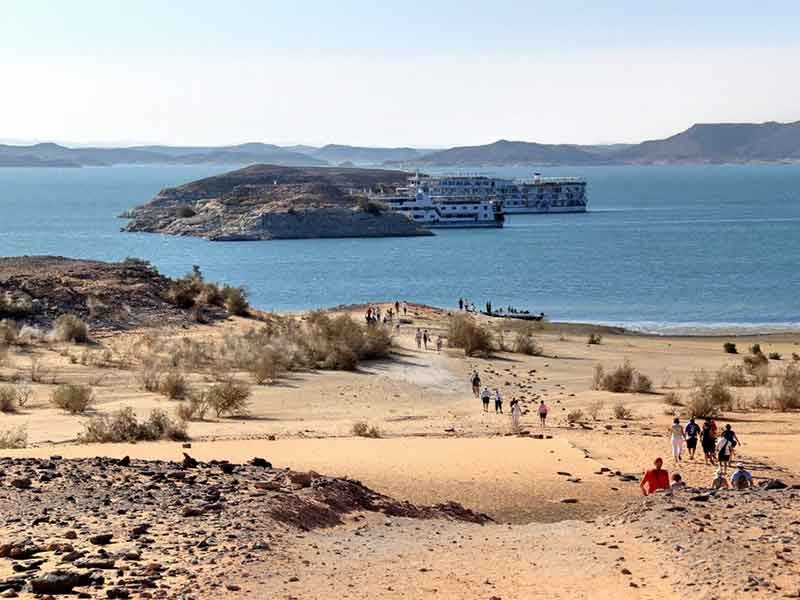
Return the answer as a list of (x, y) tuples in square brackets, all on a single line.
[(703, 143)]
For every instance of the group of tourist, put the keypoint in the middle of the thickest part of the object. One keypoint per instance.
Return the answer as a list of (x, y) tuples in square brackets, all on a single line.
[(515, 409), (374, 315), (658, 479), (717, 450), (464, 304), (423, 338)]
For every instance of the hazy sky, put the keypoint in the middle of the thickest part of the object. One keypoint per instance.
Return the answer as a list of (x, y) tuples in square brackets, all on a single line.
[(425, 73)]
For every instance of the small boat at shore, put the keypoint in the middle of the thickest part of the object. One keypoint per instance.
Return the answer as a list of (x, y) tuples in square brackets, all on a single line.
[(516, 315)]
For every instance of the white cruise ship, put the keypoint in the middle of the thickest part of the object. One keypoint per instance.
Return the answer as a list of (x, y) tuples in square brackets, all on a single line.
[(538, 195), (434, 210)]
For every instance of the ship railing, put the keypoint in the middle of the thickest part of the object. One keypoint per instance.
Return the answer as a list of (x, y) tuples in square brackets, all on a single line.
[(551, 180)]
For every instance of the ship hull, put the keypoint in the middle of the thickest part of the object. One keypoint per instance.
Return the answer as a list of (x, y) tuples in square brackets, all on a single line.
[(535, 210)]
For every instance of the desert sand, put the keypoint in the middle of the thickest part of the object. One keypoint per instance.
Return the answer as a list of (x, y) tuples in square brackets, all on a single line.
[(569, 518)]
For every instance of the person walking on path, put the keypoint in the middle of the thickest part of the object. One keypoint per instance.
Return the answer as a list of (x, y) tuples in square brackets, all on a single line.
[(498, 401), (516, 413), (476, 383), (543, 410), (730, 435), (692, 431), (708, 442), (655, 479), (425, 338), (485, 395), (460, 304), (677, 437), (723, 453), (439, 344), (419, 339)]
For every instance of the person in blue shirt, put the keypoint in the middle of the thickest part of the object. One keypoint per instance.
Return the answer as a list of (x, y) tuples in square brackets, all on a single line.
[(741, 479), (692, 431)]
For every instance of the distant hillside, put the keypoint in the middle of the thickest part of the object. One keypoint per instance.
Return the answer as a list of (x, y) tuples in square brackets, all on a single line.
[(720, 143), (47, 155), (504, 152), (335, 153)]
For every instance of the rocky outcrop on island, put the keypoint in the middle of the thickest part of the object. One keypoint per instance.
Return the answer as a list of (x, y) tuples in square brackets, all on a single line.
[(264, 202)]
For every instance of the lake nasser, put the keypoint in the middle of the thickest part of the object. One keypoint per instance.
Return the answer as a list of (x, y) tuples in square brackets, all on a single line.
[(671, 248)]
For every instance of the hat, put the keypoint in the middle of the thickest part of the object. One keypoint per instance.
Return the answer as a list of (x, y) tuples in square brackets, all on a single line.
[(740, 466)]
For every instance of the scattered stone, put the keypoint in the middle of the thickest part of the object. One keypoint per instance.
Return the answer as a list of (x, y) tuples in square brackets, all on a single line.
[(101, 539)]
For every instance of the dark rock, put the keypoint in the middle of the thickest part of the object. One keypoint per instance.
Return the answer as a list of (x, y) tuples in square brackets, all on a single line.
[(56, 582), (773, 484), (261, 462), (21, 483), (101, 539)]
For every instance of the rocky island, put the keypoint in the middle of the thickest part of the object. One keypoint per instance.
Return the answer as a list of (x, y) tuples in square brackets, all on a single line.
[(263, 202)]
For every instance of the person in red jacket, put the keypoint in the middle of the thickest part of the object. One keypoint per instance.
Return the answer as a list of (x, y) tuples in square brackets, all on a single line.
[(655, 479)]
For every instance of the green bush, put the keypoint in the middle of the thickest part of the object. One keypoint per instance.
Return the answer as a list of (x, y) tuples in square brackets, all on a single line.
[(73, 398), (235, 300), (69, 328), (465, 333), (775, 355), (594, 339)]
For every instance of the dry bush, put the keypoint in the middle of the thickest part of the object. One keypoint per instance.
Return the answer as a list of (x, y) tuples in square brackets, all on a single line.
[(69, 328), (29, 335), (39, 373), (267, 366), (730, 348), (11, 439), (8, 399), (465, 333), (149, 377), (194, 409), (173, 385), (673, 399), (757, 367), (228, 397), (526, 343), (575, 416), (15, 305), (8, 332), (625, 378), (72, 398), (775, 356), (363, 429), (595, 409), (734, 375), (622, 412), (191, 290), (709, 398), (123, 426), (234, 299), (786, 393), (594, 339), (795, 356)]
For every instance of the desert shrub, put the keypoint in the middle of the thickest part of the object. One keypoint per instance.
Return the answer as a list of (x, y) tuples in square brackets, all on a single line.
[(757, 367), (774, 355), (72, 398), (228, 397), (30, 335), (730, 348), (11, 439), (267, 366), (39, 373), (575, 416), (734, 375), (709, 397), (123, 426), (624, 378), (760, 401), (595, 409), (8, 399), (594, 339), (363, 429), (194, 409), (15, 305), (234, 300), (673, 399), (69, 328), (526, 343), (173, 385), (786, 393), (795, 356), (465, 333), (8, 332), (149, 377), (622, 412), (756, 349), (184, 211)]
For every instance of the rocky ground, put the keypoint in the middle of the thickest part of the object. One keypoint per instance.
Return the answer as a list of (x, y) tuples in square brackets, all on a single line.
[(117, 528), (36, 290), (263, 202)]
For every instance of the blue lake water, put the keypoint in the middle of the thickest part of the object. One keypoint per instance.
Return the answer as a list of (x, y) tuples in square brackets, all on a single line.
[(669, 248)]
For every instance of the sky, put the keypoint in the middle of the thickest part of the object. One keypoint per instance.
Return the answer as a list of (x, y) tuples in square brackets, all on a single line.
[(429, 73)]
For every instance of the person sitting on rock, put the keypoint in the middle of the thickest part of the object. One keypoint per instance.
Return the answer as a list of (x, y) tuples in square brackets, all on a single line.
[(720, 481), (741, 478), (677, 482), (655, 479)]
